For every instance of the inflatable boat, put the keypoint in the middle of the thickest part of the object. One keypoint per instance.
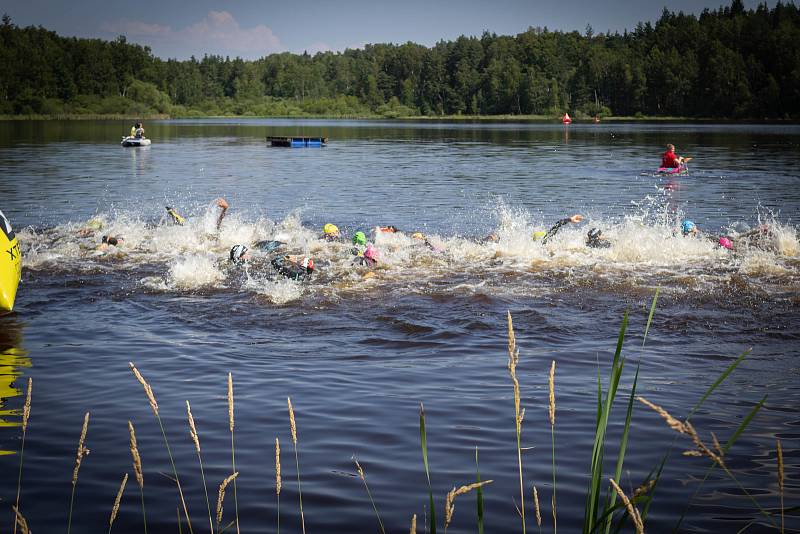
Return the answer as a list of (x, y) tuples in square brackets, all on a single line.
[(135, 141)]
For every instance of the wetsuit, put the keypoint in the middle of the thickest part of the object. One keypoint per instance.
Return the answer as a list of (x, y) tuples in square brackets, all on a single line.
[(290, 269), (554, 230), (269, 246), (594, 240)]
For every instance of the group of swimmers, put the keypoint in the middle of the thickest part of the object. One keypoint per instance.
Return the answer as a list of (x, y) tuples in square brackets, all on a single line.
[(365, 253)]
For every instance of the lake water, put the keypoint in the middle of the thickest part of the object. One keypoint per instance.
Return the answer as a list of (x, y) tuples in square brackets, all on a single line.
[(358, 355)]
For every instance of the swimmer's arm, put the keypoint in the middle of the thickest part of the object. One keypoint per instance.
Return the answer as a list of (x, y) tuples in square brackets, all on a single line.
[(556, 227), (223, 205)]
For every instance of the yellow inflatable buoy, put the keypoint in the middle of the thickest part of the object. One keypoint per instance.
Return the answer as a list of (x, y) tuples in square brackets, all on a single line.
[(10, 265)]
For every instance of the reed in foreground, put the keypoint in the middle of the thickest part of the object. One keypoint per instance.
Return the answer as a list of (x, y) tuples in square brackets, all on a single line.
[(26, 414), (278, 481), (115, 508), (151, 398), (513, 359), (363, 478), (137, 469), (196, 441), (450, 501), (82, 452), (221, 498), (233, 448), (293, 428)]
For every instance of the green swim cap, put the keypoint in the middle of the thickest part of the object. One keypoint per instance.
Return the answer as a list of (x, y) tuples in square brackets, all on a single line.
[(538, 234), (359, 238)]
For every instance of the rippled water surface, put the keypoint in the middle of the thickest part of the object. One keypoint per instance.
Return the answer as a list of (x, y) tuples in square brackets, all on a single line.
[(358, 354)]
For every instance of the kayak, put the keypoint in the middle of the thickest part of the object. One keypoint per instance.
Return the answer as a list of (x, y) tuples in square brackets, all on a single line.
[(10, 265), (135, 141), (683, 169)]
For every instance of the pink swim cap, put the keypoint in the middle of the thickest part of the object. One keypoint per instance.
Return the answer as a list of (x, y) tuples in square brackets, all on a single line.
[(725, 243), (371, 253)]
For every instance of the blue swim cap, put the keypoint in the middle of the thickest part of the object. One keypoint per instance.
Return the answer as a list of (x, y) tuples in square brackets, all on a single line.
[(687, 227)]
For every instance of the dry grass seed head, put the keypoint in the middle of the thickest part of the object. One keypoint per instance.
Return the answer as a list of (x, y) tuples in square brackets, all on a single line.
[(277, 467), (193, 428), (20, 521), (673, 423), (360, 470), (632, 511), (82, 451), (26, 410), (552, 394), (221, 495), (413, 524), (147, 389), (644, 488), (449, 505), (291, 420), (137, 460), (115, 509), (536, 506), (230, 402), (781, 475)]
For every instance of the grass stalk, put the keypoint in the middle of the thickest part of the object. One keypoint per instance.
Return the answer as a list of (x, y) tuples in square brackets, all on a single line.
[(233, 448), (137, 469), (781, 477), (478, 494), (632, 511), (293, 427), (552, 413), (592, 512), (26, 414), (115, 508), (82, 452), (369, 493), (513, 359), (278, 480), (154, 406), (196, 441), (413, 529), (423, 438)]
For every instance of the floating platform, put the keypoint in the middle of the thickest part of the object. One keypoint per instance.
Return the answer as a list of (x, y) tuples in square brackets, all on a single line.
[(298, 142)]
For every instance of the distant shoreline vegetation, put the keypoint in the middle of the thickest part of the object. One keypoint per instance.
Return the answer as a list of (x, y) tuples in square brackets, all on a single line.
[(729, 63)]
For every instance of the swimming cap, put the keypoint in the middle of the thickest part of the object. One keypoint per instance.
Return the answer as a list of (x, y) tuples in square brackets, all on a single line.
[(687, 227), (330, 229), (359, 238), (724, 242), (237, 251), (371, 253), (538, 234), (418, 235)]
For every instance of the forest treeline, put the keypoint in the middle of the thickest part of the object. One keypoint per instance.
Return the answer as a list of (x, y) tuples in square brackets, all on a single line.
[(729, 63)]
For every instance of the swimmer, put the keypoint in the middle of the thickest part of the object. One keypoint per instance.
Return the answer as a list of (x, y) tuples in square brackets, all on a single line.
[(595, 239), (269, 245), (110, 240), (92, 225), (239, 255), (689, 228), (330, 232), (419, 236), (386, 230), (491, 238), (369, 258), (296, 268), (175, 216), (544, 236)]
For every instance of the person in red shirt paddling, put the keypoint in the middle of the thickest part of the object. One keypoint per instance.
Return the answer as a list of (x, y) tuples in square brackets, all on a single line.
[(670, 160)]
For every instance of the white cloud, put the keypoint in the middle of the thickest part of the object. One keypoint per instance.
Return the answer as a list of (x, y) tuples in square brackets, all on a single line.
[(313, 48), (218, 33)]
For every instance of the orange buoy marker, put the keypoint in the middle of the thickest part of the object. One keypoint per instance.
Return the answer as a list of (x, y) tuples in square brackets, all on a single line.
[(566, 119)]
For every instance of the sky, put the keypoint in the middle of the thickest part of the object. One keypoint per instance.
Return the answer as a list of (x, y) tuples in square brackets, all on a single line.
[(254, 28)]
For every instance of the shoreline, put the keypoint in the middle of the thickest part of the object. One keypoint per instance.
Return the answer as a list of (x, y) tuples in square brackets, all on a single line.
[(414, 118)]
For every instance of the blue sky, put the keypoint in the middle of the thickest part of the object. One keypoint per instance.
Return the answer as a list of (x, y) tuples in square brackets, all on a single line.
[(253, 28)]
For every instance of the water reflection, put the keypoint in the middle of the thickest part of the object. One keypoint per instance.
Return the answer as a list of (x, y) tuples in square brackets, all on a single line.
[(13, 358)]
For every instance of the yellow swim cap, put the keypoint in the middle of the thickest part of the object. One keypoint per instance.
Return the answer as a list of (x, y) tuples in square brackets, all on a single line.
[(330, 229), (417, 235), (538, 234)]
